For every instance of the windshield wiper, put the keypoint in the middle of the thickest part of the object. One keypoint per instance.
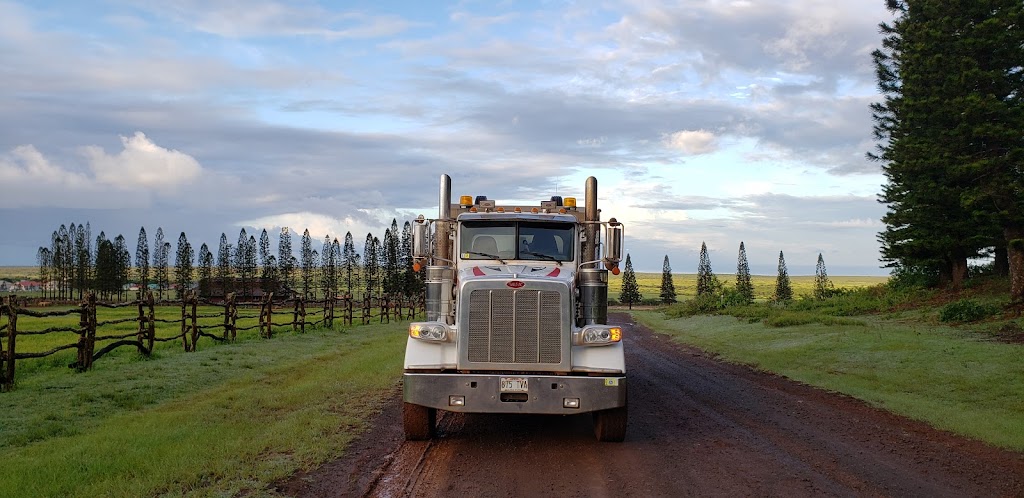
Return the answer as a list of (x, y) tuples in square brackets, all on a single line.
[(546, 257), (487, 255)]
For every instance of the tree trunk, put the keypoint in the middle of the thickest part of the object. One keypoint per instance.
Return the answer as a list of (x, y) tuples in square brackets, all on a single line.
[(1001, 264), (1015, 255), (959, 272)]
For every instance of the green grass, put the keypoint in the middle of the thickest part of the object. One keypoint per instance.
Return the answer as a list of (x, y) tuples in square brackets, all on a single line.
[(225, 420), (947, 377)]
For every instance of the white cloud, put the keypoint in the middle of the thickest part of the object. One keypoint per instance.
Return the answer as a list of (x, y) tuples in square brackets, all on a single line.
[(142, 163), (692, 142), (319, 225)]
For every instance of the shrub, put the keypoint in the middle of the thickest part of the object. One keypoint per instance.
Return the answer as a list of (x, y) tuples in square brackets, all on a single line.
[(705, 304), (966, 310), (909, 277)]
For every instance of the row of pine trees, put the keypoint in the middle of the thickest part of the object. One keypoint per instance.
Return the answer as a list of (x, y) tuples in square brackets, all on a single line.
[(710, 287), (75, 264)]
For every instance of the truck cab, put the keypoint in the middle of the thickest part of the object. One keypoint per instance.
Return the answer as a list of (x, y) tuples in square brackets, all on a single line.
[(516, 305)]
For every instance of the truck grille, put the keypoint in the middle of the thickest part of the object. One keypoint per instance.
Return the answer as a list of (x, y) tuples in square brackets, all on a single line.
[(515, 326)]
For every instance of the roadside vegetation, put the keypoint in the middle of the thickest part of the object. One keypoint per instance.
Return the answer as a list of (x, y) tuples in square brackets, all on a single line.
[(953, 359), (228, 419)]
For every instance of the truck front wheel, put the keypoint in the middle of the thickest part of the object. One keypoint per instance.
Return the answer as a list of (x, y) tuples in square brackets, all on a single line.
[(418, 422), (610, 425)]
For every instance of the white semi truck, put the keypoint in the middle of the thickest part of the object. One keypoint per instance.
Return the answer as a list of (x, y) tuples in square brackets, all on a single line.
[(516, 313)]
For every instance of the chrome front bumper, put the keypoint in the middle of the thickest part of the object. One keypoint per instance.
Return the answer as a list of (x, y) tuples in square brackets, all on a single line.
[(545, 394)]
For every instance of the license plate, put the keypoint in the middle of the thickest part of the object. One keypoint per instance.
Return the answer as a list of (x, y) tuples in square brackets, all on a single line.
[(514, 385)]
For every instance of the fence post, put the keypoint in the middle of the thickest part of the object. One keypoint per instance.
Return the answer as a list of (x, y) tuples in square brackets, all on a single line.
[(270, 315), (151, 304), (194, 301), (233, 311), (384, 312), (184, 328), (140, 334), (12, 334), (90, 330), (295, 314)]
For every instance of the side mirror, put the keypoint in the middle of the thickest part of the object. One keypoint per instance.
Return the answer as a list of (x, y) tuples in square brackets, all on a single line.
[(613, 246), (420, 239)]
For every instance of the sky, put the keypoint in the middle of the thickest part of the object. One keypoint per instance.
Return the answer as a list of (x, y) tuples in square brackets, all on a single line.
[(704, 121)]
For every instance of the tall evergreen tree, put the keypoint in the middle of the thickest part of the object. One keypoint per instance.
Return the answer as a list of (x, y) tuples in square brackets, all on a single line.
[(142, 258), (783, 288), (285, 259), (124, 265), (392, 279), (306, 263), (205, 271), (630, 292), (668, 288), (160, 262), (706, 281), (106, 267), (183, 263), (938, 136), (225, 280), (44, 259), (370, 264), (350, 265), (266, 269), (744, 286), (823, 287)]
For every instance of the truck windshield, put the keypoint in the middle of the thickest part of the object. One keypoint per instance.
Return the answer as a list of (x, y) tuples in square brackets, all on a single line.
[(517, 240)]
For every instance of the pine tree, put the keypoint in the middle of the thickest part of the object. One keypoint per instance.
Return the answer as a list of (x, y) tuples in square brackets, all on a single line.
[(266, 269), (240, 263), (205, 270), (160, 262), (350, 265), (370, 264), (285, 259), (706, 281), (823, 287), (630, 292), (783, 289), (668, 289), (224, 277), (183, 260), (744, 286), (123, 265), (142, 258), (392, 282), (306, 263)]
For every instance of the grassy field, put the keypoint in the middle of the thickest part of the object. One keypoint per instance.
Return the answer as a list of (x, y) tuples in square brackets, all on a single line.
[(887, 348), (764, 285), (225, 420)]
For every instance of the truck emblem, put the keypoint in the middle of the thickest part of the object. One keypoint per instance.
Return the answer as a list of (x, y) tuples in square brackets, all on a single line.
[(515, 284)]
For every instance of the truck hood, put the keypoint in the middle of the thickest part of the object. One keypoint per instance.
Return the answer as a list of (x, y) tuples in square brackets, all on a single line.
[(515, 272)]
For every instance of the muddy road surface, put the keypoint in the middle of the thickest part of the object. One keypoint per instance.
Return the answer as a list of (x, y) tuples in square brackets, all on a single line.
[(697, 427)]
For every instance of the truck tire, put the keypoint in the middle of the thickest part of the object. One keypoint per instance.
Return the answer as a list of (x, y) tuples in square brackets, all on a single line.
[(610, 425), (418, 422)]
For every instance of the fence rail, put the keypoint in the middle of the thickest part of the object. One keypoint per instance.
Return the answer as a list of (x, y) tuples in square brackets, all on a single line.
[(347, 310)]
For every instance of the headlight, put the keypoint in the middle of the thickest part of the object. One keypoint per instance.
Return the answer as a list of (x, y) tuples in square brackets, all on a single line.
[(429, 331), (598, 335)]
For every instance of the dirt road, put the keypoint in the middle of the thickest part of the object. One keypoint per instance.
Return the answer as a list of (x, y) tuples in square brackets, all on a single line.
[(697, 427)]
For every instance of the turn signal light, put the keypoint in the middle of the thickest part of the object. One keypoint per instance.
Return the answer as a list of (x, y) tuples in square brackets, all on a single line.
[(569, 202), (466, 201)]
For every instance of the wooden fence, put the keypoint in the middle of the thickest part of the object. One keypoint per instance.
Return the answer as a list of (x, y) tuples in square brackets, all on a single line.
[(326, 312)]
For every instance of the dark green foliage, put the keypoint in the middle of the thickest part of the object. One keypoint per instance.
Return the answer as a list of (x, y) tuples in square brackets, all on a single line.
[(160, 276), (330, 255), (224, 276), (705, 277), (392, 278), (630, 292), (285, 259), (268, 264), (307, 264), (668, 288), (702, 304), (823, 287), (783, 288), (371, 264), (948, 133), (966, 310), (183, 265), (245, 263), (349, 265), (142, 258), (744, 287), (205, 270)]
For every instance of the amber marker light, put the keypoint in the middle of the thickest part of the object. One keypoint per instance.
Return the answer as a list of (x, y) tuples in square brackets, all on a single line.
[(416, 267), (466, 201), (569, 202), (616, 334), (615, 270)]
